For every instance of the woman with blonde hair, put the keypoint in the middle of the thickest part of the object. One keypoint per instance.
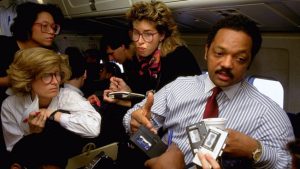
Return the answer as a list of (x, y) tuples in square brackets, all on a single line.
[(40, 109)]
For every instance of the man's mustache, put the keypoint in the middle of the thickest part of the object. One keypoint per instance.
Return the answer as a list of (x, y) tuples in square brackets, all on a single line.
[(225, 71)]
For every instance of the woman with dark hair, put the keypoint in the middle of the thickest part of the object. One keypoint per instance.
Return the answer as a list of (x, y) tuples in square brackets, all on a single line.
[(27, 15), (35, 25)]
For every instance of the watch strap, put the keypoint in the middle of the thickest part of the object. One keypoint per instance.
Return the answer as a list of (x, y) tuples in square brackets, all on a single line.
[(51, 117)]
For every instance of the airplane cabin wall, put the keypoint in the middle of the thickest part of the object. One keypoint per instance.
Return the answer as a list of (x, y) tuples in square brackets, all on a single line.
[(83, 42)]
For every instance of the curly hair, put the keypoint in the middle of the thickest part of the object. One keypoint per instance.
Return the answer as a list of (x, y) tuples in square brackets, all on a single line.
[(32, 63), (27, 13), (238, 23), (158, 13)]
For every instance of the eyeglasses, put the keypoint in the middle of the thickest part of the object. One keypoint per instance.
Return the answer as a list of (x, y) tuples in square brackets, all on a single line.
[(147, 36), (48, 77), (47, 28)]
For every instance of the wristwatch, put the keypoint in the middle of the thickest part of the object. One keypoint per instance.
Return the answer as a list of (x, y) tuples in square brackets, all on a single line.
[(51, 117), (256, 154)]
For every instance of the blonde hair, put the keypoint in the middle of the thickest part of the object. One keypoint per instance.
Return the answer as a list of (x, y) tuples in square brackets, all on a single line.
[(158, 13), (31, 63)]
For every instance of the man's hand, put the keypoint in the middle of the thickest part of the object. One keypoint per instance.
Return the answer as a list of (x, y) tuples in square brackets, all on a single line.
[(172, 159), (239, 144), (142, 116)]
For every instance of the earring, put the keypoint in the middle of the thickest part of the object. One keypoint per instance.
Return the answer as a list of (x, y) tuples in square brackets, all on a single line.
[(28, 88)]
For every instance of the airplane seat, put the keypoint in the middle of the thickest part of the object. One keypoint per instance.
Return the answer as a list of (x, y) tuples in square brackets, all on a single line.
[(295, 119)]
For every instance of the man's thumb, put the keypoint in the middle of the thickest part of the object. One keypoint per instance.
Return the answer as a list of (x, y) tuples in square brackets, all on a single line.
[(149, 102)]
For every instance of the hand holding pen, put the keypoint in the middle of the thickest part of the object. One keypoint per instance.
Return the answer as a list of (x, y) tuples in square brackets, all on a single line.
[(37, 120), (170, 136)]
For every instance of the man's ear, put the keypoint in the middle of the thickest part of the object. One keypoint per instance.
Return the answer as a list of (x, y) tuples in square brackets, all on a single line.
[(206, 51)]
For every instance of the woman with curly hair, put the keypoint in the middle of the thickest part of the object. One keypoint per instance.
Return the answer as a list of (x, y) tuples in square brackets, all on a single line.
[(160, 57), (161, 54)]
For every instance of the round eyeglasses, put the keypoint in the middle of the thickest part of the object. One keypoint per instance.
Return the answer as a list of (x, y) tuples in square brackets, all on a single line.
[(48, 77), (46, 27), (147, 36)]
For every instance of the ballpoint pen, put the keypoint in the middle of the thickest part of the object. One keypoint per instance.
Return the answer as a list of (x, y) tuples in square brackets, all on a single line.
[(170, 136)]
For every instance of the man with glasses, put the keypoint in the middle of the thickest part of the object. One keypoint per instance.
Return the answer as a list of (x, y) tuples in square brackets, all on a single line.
[(35, 25)]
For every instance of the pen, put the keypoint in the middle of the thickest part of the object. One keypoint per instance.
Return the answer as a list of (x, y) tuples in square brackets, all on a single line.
[(170, 136), (26, 119)]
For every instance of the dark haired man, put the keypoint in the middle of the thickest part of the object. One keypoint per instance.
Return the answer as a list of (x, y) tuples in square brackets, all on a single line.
[(258, 129), (118, 46), (79, 74), (78, 69)]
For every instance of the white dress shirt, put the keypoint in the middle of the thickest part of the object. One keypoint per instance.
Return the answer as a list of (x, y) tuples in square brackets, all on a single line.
[(76, 89)]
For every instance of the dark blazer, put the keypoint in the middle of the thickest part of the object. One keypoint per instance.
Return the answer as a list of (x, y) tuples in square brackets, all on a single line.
[(180, 62)]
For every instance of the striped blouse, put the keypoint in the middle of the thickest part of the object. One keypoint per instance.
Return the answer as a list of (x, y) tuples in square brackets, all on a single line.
[(182, 102)]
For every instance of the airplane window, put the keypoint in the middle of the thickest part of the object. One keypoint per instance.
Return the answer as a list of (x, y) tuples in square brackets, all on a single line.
[(271, 88)]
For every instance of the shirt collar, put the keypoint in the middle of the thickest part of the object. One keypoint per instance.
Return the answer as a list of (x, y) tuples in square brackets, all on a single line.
[(69, 86), (33, 105), (230, 91)]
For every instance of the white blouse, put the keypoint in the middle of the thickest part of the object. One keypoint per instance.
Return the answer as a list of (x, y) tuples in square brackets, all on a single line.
[(83, 119)]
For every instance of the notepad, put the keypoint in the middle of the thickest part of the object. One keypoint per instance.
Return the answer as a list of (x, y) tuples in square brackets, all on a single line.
[(125, 95)]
